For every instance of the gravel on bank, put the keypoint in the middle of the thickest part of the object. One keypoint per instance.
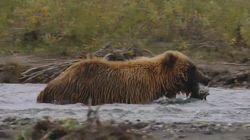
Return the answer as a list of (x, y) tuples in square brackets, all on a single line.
[(13, 128)]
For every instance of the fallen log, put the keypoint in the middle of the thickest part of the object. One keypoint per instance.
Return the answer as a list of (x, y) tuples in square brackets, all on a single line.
[(45, 73)]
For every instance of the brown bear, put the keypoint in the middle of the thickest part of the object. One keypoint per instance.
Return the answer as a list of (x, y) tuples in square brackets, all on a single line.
[(137, 81)]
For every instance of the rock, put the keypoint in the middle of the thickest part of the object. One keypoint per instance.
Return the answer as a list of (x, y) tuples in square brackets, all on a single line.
[(201, 125), (246, 126), (157, 126), (247, 137), (9, 119), (218, 125), (4, 126), (181, 136), (173, 125), (13, 126), (229, 124), (3, 135), (25, 121), (207, 132), (13, 123), (180, 130), (140, 125)]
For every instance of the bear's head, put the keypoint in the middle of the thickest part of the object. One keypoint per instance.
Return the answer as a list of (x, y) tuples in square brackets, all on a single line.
[(182, 74)]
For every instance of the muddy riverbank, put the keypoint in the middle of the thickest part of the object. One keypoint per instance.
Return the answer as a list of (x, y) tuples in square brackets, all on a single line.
[(227, 75), (223, 74), (12, 128)]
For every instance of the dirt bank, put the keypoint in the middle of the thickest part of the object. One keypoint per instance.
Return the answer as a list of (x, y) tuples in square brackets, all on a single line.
[(223, 74), (227, 75)]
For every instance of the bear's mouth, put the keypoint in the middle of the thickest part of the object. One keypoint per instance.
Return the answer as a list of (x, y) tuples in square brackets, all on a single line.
[(202, 94), (199, 92), (195, 84)]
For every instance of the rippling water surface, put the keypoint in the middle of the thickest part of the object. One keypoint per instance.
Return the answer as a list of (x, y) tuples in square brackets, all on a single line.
[(222, 105)]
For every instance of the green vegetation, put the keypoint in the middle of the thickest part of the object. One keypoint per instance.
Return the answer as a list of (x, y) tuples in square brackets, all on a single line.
[(67, 26)]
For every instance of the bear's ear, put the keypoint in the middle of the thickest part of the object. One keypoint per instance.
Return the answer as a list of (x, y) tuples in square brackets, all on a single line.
[(169, 61)]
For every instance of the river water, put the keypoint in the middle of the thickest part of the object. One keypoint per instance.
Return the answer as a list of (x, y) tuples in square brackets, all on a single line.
[(222, 105)]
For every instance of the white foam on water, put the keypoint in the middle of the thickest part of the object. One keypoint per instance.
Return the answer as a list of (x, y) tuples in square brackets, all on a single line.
[(222, 105)]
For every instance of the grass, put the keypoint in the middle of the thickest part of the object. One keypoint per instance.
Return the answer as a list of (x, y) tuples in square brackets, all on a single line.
[(66, 27)]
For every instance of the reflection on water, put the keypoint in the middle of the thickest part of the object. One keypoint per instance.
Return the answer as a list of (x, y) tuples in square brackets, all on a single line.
[(222, 105)]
